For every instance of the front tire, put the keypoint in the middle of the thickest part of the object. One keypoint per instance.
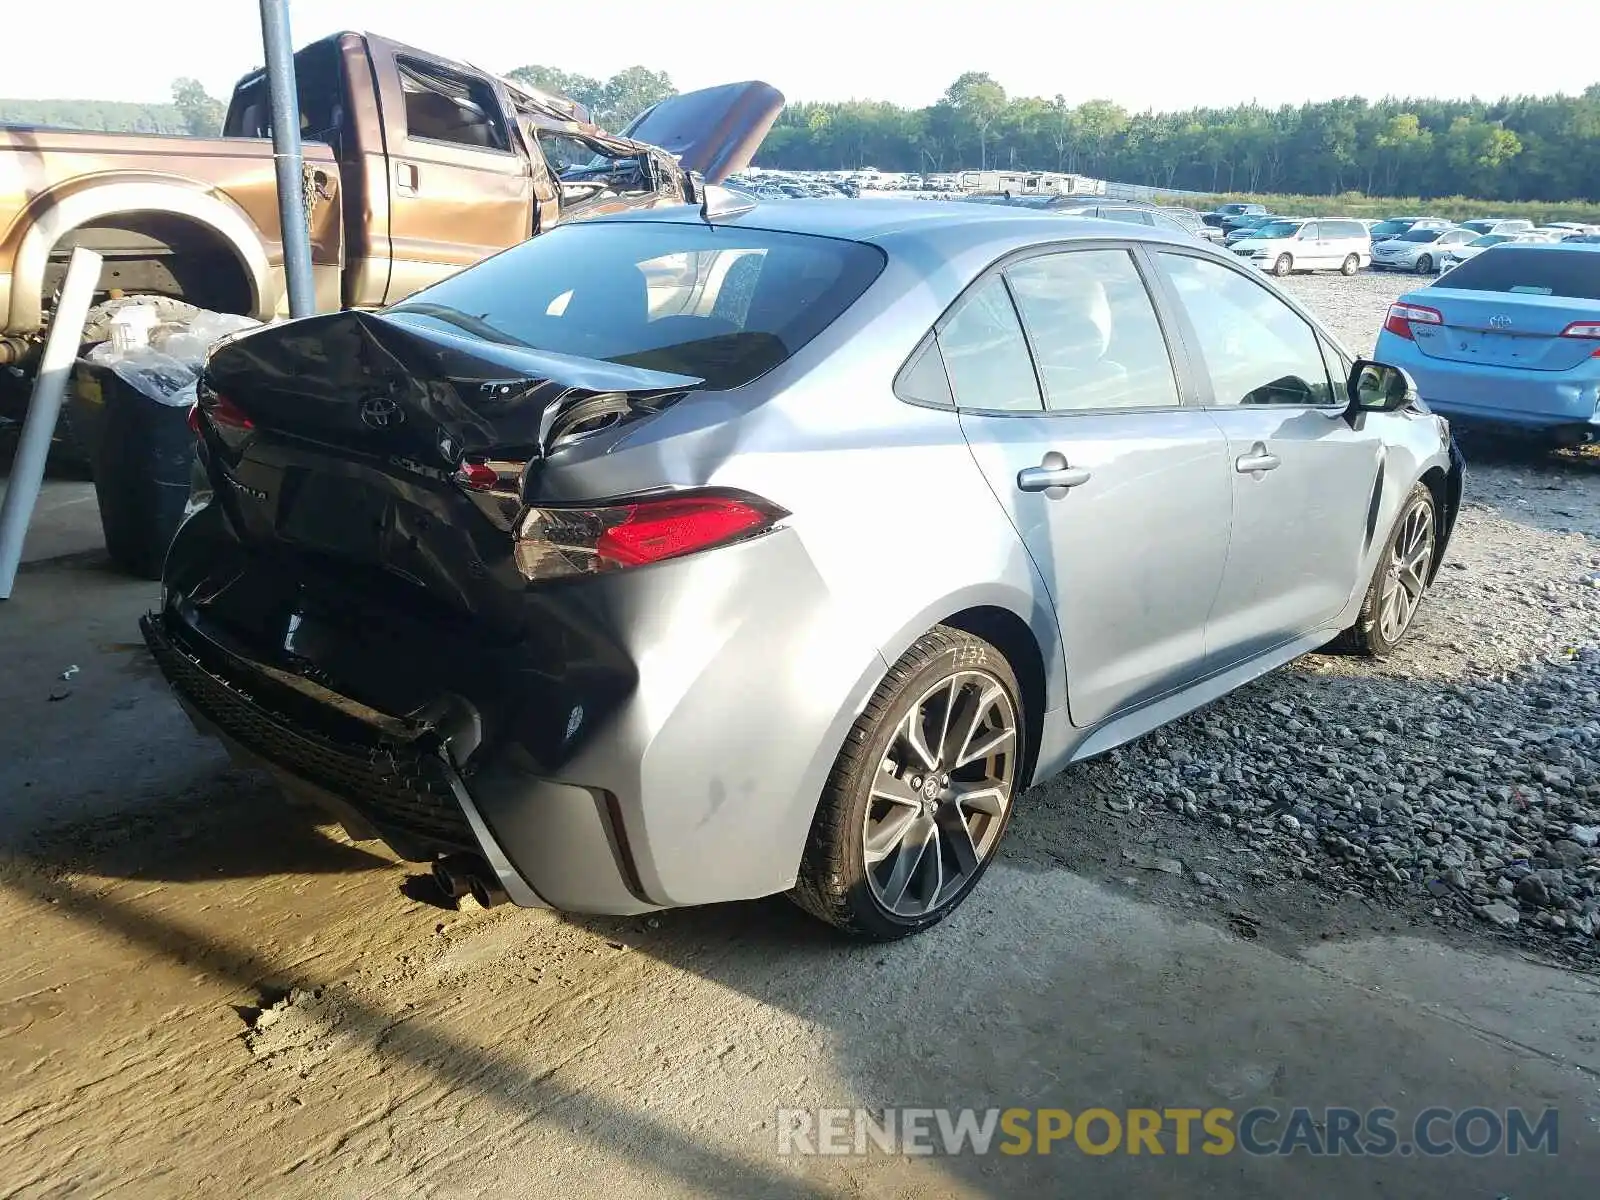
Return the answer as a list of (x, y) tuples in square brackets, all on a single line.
[(1351, 264), (1425, 265), (1400, 581), (921, 793), (1283, 266)]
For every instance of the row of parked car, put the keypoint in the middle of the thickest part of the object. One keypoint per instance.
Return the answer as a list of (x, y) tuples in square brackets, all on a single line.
[(1423, 245)]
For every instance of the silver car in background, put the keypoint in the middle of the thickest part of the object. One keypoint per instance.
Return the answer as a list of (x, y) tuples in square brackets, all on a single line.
[(690, 556), (1419, 250)]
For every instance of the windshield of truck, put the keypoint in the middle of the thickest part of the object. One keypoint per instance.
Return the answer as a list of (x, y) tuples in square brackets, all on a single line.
[(717, 302)]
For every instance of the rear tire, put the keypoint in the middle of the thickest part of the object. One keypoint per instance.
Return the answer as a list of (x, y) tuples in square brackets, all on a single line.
[(1400, 582), (1425, 265), (1350, 266), (1283, 266), (910, 818), (168, 310)]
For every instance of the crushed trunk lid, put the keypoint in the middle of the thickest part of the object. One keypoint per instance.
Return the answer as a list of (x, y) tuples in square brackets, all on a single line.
[(426, 388)]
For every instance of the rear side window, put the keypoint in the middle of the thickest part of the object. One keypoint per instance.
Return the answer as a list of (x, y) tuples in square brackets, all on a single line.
[(1574, 273), (986, 355), (1343, 229), (719, 303), (1094, 331), (441, 107), (1129, 216)]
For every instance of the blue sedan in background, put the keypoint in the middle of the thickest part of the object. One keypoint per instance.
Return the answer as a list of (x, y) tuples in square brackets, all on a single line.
[(1509, 339)]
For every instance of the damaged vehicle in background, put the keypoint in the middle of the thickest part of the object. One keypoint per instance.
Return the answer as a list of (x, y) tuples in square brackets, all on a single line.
[(416, 166), (689, 556)]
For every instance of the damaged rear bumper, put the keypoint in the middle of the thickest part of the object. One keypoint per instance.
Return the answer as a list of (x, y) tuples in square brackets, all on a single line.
[(380, 779)]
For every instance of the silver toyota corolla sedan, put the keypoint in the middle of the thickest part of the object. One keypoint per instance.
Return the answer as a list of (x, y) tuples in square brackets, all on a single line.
[(697, 555)]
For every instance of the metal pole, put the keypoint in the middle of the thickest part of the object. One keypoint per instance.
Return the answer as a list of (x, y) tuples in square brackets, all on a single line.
[(287, 157), (49, 389)]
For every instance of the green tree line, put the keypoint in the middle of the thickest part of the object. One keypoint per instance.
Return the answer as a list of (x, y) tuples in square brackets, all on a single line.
[(1515, 148), (1520, 148)]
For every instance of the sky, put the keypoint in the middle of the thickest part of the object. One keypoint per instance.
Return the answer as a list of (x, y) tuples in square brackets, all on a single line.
[(1165, 54)]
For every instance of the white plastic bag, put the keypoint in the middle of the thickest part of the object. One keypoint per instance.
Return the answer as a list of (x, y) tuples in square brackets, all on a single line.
[(149, 372)]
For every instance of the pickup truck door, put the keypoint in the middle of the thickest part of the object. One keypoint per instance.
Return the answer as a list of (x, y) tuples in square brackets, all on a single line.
[(460, 184)]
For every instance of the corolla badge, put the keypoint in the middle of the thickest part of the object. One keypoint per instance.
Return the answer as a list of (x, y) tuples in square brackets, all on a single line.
[(380, 412), (1499, 322)]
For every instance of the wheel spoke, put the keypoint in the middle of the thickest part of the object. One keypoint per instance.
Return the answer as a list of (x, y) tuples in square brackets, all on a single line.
[(889, 834), (987, 798), (912, 734), (908, 861), (954, 833), (986, 749), (980, 706), (894, 789)]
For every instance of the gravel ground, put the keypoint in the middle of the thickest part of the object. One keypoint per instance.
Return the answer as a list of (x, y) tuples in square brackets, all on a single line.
[(1456, 784)]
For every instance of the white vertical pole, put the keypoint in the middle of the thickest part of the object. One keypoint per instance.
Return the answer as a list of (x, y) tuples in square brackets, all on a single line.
[(49, 390)]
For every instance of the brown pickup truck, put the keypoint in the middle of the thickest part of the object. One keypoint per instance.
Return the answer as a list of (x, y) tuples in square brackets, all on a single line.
[(415, 167)]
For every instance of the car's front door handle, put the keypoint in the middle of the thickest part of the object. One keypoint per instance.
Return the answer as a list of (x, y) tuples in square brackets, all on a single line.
[(1259, 459), (1053, 472)]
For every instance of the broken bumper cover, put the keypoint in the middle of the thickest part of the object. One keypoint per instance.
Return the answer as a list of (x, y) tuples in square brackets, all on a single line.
[(381, 780)]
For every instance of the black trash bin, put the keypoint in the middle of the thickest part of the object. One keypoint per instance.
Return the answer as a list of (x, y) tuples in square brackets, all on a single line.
[(141, 453)]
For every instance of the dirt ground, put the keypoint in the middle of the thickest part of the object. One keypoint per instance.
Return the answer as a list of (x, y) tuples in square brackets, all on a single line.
[(209, 992)]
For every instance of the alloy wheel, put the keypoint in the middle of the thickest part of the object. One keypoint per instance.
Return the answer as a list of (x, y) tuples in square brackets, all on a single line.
[(1406, 573), (1283, 266), (940, 796), (1424, 265), (1352, 264)]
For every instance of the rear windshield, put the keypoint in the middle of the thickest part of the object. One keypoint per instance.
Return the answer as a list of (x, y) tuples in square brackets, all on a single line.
[(1573, 274), (718, 302), (1390, 228)]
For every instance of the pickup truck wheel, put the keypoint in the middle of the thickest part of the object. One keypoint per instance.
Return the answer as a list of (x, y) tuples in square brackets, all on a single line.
[(921, 793), (98, 328)]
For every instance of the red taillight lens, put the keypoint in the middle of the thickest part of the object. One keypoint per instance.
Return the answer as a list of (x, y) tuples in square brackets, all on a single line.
[(1402, 316), (557, 542), (480, 477), (225, 414), (1589, 330)]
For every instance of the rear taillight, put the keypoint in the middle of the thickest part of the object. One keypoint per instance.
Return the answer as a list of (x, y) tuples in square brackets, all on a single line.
[(1402, 316), (555, 542), (1587, 330)]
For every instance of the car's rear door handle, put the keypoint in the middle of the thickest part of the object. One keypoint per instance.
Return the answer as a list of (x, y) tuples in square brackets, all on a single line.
[(1052, 472), (1259, 459)]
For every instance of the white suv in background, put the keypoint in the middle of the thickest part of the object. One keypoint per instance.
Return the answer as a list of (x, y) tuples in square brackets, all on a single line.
[(1308, 244)]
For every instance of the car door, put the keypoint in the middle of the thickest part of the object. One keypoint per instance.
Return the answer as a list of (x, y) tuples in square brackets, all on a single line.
[(458, 189), (1069, 401), (1310, 251), (1303, 476)]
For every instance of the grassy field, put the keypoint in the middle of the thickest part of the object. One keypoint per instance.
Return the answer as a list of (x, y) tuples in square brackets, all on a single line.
[(1455, 208)]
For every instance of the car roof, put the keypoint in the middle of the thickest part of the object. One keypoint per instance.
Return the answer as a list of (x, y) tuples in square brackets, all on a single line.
[(879, 221)]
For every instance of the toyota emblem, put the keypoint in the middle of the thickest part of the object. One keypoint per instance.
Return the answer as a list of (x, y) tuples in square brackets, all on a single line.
[(1500, 322), (380, 412)]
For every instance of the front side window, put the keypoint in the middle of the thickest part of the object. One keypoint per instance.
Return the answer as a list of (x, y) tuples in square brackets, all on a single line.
[(1309, 233), (986, 355), (1257, 350), (1094, 331), (442, 107)]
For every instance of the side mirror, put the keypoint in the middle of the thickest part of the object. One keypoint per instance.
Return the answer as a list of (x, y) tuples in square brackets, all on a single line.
[(1378, 387)]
